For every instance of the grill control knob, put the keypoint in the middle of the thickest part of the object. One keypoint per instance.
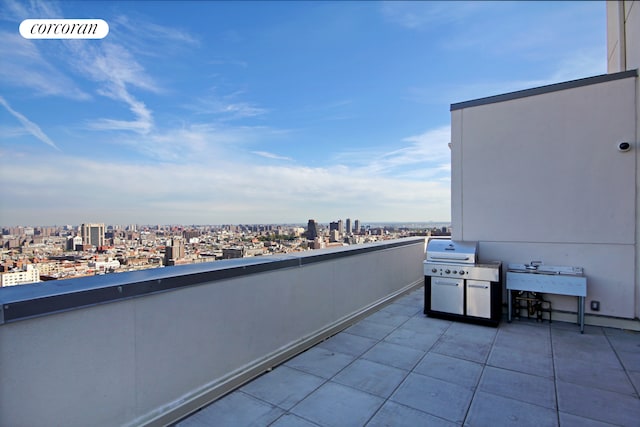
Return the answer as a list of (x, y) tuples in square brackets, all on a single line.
[(434, 270), (461, 272), (455, 271), (447, 271)]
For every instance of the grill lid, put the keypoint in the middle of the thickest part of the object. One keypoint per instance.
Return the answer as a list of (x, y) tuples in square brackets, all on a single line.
[(450, 251)]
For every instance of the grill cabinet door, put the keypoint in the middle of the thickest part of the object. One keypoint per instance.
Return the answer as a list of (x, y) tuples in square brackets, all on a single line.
[(479, 298), (447, 295)]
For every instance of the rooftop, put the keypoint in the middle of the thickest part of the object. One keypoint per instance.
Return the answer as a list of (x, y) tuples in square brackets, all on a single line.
[(398, 367)]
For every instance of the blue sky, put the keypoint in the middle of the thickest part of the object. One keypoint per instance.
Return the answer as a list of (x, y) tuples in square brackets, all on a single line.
[(262, 112)]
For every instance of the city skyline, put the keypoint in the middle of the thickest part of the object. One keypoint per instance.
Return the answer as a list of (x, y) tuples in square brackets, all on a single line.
[(142, 226), (263, 112)]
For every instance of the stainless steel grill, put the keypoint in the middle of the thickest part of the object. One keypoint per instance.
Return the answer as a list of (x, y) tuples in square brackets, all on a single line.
[(439, 250), (458, 287)]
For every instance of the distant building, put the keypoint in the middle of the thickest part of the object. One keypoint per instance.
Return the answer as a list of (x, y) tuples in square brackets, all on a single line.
[(356, 228), (349, 230), (29, 274), (229, 253), (74, 243), (312, 229), (174, 252), (190, 234), (92, 234), (316, 244)]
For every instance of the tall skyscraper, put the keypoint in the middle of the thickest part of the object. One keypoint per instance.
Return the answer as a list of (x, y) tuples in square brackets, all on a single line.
[(337, 226), (312, 229), (349, 226), (356, 227), (92, 234)]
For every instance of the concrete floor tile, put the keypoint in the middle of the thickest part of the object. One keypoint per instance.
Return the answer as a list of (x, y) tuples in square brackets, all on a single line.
[(433, 396), (490, 410), (604, 356), (396, 415), (429, 325), (387, 318), (526, 328), (321, 362), (395, 355), (593, 374), (236, 409), (413, 300), (337, 405), (569, 345), (521, 360), (410, 338), (365, 328), (596, 404), (470, 342), (634, 376), (290, 420), (525, 339), (597, 377), (464, 349), (407, 310), (631, 361), (343, 342), (371, 377), (568, 420), (450, 369), (518, 386), (624, 340), (586, 340), (571, 327), (476, 333), (283, 387)]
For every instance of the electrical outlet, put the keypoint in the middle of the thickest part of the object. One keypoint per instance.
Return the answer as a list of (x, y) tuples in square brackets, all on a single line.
[(595, 305)]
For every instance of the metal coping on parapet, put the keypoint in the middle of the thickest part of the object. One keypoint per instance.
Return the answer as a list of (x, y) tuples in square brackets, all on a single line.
[(44, 302), (545, 89)]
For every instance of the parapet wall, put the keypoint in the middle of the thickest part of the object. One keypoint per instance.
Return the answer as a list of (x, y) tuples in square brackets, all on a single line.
[(147, 348)]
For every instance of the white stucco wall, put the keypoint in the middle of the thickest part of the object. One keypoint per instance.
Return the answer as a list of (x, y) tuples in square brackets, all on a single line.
[(623, 35), (541, 178), (623, 53)]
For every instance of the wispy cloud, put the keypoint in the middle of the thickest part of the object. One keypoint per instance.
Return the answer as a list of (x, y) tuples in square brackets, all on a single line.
[(416, 15), (18, 10), (270, 155), (164, 193), (225, 107), (142, 36), (28, 125), (425, 155), (233, 62), (116, 70), (430, 146), (198, 166), (575, 65), (24, 65), (145, 30), (109, 64)]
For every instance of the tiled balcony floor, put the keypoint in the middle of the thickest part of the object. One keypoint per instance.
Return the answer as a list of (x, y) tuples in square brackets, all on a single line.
[(400, 368)]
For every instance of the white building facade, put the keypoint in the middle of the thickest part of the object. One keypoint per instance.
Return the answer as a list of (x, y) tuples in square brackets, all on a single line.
[(539, 175), (29, 275)]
